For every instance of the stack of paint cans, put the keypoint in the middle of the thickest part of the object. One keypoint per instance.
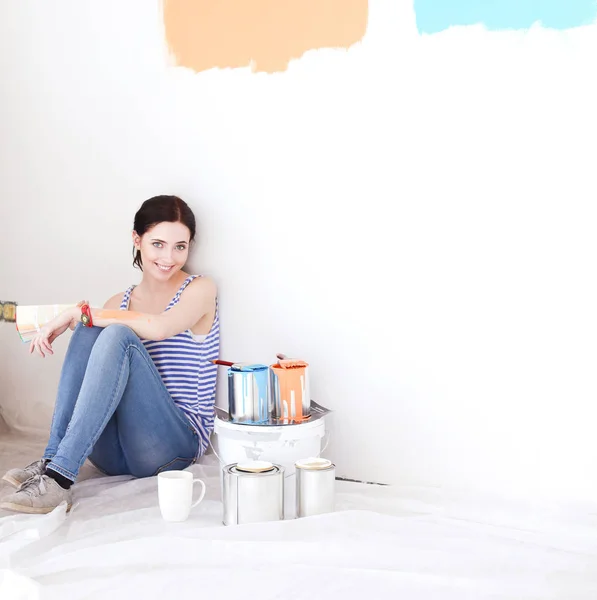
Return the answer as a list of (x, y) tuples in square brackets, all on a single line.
[(253, 491)]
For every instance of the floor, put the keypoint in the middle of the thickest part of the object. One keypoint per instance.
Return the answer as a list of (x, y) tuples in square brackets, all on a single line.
[(382, 542)]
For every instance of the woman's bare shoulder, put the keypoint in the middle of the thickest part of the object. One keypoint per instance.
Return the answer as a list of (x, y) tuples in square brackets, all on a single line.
[(201, 288), (114, 302)]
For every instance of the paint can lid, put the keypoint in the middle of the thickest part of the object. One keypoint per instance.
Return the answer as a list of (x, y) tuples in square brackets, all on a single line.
[(248, 367), (255, 466), (313, 464)]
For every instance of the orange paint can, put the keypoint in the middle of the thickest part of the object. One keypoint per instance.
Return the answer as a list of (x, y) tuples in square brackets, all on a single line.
[(291, 401)]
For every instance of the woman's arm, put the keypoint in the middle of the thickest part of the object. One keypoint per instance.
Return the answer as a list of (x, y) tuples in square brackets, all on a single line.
[(198, 299), (68, 319)]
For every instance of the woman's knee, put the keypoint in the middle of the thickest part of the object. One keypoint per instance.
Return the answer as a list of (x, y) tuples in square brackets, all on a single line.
[(84, 334), (143, 468), (113, 334), (110, 466)]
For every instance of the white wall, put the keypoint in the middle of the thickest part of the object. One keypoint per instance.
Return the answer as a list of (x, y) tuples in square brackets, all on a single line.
[(414, 216)]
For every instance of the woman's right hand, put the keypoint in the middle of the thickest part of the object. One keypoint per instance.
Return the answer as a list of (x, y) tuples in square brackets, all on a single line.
[(42, 342)]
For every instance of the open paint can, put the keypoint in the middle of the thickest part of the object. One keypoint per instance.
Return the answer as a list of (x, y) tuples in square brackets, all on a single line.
[(248, 394), (315, 483), (253, 492), (291, 401)]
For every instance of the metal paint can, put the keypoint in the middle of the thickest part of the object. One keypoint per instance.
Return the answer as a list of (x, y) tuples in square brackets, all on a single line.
[(248, 395), (253, 492), (291, 401), (315, 482)]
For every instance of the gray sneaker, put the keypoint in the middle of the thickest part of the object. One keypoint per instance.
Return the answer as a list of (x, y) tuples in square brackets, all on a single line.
[(40, 494), (17, 477)]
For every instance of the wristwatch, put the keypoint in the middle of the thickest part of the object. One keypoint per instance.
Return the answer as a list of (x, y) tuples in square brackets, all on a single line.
[(86, 315)]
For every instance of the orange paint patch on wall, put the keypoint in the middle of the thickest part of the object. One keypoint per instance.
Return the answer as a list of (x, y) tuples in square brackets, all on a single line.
[(265, 34)]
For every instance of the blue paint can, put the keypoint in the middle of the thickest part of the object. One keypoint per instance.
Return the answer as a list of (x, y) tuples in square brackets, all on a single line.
[(248, 394)]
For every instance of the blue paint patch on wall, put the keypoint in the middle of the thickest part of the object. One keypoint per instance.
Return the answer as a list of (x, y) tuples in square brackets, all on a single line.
[(436, 15)]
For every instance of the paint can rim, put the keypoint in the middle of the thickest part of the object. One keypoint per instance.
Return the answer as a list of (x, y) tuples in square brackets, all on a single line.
[(233, 469), (314, 464), (255, 466)]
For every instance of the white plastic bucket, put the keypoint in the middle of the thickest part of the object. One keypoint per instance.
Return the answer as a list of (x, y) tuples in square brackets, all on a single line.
[(279, 444)]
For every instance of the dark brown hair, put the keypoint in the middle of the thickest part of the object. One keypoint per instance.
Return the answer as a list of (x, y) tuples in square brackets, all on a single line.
[(157, 210)]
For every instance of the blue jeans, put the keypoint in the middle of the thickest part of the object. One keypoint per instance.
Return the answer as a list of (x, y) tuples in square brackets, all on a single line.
[(113, 408)]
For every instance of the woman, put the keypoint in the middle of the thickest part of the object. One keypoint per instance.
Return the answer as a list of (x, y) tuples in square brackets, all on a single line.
[(137, 388)]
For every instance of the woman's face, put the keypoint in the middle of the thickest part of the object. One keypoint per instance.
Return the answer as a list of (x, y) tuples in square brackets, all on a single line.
[(164, 249)]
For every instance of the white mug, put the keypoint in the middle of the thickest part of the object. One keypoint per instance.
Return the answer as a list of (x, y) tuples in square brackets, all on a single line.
[(175, 494)]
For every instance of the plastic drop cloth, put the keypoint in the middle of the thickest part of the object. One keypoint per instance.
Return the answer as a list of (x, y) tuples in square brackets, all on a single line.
[(411, 543)]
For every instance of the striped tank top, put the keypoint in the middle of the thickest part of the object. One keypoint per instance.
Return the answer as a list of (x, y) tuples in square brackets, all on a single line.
[(184, 364)]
